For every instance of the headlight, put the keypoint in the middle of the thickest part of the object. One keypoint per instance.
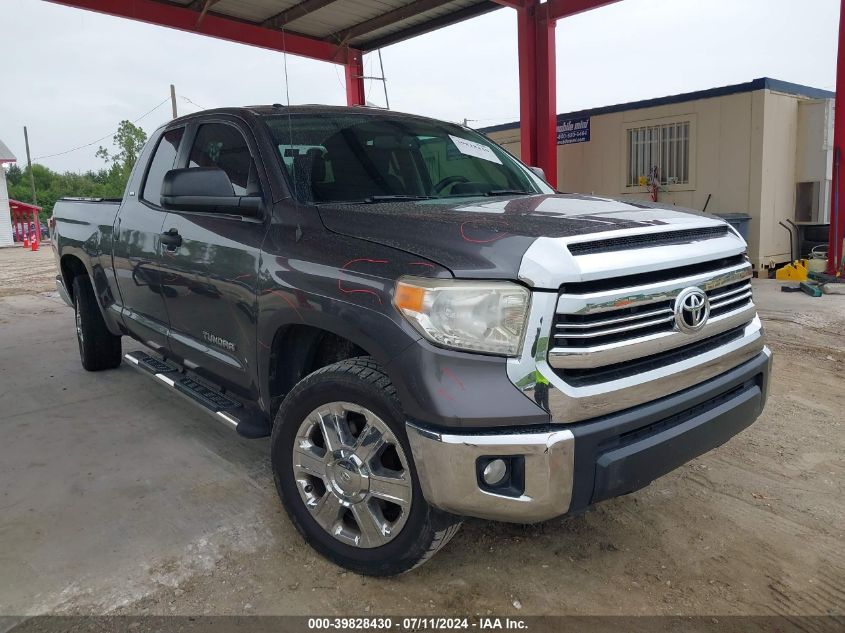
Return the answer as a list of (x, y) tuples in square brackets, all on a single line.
[(468, 315)]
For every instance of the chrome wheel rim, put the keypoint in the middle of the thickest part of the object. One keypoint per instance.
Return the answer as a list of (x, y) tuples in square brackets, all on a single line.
[(79, 334), (352, 474)]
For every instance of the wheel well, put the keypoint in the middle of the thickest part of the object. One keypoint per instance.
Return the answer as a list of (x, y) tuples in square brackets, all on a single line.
[(298, 350), (71, 267)]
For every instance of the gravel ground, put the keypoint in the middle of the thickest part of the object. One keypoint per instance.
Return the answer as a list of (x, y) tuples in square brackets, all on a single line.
[(23, 272), (754, 527)]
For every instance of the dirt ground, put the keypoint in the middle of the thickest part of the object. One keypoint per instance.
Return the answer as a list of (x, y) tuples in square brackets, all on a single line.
[(22, 271), (754, 527)]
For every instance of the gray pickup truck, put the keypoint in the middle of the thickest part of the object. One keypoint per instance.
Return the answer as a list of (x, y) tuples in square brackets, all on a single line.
[(424, 327)]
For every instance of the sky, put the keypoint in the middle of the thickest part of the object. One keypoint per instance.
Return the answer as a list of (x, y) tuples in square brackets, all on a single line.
[(71, 76)]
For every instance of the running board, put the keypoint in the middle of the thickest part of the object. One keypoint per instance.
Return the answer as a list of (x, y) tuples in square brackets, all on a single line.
[(246, 421)]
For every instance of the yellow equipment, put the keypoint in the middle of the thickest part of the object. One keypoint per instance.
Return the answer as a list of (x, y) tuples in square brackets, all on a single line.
[(796, 271)]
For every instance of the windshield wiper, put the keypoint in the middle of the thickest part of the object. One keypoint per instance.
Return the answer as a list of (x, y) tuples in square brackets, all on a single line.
[(392, 197), (507, 192)]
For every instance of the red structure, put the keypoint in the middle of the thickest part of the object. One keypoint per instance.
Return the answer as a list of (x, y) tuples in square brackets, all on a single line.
[(837, 210), (367, 25), (347, 45), (23, 215)]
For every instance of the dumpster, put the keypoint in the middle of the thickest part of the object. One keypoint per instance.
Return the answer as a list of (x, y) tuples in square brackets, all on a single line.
[(737, 220)]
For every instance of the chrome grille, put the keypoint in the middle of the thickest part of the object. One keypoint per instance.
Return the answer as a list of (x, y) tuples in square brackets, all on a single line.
[(651, 318), (616, 325)]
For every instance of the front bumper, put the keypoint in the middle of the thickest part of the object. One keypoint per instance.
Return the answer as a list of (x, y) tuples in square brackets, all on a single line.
[(568, 467)]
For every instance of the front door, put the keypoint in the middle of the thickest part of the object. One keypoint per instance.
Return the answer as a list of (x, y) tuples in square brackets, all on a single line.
[(136, 250), (210, 278)]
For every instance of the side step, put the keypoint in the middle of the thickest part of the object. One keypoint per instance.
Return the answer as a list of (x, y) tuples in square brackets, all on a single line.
[(246, 420)]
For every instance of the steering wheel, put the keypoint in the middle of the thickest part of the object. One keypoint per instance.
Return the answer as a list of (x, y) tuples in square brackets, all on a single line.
[(449, 180)]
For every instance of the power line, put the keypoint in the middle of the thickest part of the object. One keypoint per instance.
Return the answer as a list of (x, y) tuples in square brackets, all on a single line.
[(192, 102), (102, 138)]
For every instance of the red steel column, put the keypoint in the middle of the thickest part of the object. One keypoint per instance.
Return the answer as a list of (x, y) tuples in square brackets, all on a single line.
[(537, 90), (37, 224), (547, 101), (837, 209), (526, 28), (355, 78)]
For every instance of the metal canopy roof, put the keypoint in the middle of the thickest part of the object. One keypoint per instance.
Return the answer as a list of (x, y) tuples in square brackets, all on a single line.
[(364, 25)]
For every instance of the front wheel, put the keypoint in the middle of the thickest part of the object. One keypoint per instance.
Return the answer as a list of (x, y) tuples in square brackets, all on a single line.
[(344, 472)]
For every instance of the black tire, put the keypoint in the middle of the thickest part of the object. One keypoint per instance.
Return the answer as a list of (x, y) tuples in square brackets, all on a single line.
[(362, 382), (99, 349)]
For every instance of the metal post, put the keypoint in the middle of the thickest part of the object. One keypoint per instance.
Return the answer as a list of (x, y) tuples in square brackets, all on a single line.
[(29, 164), (173, 100), (537, 89), (37, 224), (546, 101), (383, 80), (355, 78), (526, 46), (837, 212)]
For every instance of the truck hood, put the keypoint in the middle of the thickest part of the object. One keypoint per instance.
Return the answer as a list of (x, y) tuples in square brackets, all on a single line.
[(487, 238)]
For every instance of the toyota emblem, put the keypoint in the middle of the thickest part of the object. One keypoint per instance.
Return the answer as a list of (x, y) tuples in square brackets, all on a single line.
[(692, 309)]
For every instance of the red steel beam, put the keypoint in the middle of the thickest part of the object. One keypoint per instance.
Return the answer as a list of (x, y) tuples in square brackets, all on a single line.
[(556, 9), (526, 27), (537, 90), (213, 25), (547, 100), (837, 209), (355, 94)]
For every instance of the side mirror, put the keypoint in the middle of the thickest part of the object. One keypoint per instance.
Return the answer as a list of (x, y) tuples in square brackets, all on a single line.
[(205, 189), (538, 171)]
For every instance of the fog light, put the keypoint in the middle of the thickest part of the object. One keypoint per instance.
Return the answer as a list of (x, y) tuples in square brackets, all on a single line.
[(495, 472)]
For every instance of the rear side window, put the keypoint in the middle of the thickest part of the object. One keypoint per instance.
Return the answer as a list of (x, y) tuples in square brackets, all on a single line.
[(162, 162), (223, 146)]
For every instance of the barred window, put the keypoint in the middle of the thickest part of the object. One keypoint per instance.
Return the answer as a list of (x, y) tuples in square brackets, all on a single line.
[(664, 148)]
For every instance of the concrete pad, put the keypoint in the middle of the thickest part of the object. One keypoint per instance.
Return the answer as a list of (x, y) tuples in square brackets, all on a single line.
[(106, 475)]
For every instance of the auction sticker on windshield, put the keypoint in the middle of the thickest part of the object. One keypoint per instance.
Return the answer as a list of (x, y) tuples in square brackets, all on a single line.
[(470, 148)]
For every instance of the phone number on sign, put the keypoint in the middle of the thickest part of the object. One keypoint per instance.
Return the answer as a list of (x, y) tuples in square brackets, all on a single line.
[(407, 624)]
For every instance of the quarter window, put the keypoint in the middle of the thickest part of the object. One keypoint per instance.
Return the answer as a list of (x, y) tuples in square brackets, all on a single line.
[(162, 162), (660, 152), (223, 146)]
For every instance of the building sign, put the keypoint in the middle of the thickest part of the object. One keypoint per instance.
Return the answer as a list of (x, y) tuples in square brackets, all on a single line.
[(573, 131)]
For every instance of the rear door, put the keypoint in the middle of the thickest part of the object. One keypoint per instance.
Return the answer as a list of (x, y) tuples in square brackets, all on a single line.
[(210, 279), (137, 249)]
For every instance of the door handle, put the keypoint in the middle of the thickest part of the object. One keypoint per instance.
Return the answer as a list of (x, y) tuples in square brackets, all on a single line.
[(171, 239)]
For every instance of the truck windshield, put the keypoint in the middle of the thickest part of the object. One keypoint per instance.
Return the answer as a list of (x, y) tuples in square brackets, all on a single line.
[(366, 158)]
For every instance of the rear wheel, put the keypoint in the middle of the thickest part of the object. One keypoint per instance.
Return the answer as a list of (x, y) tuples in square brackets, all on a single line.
[(98, 348), (344, 471)]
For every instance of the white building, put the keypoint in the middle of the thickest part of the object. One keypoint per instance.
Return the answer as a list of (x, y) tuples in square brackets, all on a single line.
[(6, 156), (763, 148)]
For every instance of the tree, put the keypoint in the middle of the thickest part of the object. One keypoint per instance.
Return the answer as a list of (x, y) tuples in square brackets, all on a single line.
[(129, 141), (103, 183), (14, 174)]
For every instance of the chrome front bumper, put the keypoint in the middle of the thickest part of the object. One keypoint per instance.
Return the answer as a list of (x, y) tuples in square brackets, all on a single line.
[(446, 462), (569, 469)]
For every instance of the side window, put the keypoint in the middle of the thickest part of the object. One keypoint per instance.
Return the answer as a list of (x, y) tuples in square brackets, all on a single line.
[(223, 146), (161, 163)]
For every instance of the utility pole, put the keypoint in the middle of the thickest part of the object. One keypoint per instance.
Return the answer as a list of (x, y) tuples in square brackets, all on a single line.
[(29, 164), (173, 100)]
